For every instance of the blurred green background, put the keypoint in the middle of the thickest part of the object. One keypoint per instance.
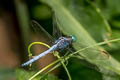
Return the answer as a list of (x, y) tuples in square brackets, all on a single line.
[(15, 17)]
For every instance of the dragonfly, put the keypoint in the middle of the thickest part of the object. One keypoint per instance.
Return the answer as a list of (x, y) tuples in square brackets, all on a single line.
[(59, 44)]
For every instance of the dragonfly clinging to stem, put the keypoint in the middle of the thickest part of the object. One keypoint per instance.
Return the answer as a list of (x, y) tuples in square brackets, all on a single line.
[(59, 44)]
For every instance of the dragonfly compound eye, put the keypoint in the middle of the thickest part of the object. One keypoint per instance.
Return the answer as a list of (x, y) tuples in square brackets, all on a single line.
[(73, 38)]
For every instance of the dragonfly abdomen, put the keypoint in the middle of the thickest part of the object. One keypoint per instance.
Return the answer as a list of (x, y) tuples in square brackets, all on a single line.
[(39, 56), (61, 43)]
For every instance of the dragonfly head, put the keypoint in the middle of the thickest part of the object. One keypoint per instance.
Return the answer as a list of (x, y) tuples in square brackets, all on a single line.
[(73, 38)]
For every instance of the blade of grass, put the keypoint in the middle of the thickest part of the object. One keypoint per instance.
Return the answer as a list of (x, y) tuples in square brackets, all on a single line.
[(70, 25)]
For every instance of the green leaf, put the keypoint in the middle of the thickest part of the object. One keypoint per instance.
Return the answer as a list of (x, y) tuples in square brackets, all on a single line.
[(109, 8), (25, 75), (88, 16), (74, 17), (50, 77)]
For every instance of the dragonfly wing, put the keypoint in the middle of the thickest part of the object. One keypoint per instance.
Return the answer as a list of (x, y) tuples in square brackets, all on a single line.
[(39, 34), (39, 30), (56, 31)]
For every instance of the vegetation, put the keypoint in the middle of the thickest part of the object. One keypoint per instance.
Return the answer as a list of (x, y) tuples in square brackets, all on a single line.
[(96, 27)]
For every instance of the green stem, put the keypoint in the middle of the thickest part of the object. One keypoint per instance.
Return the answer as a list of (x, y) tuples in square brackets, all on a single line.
[(53, 68), (44, 69), (62, 62)]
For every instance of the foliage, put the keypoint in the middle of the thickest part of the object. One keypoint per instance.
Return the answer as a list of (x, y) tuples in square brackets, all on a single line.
[(94, 23), (87, 23)]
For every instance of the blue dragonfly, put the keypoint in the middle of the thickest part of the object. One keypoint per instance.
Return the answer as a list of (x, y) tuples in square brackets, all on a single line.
[(59, 44)]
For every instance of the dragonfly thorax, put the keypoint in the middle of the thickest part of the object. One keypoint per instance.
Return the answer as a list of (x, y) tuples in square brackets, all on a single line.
[(63, 42)]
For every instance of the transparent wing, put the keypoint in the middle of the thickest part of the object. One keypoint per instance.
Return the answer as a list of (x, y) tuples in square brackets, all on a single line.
[(56, 31), (41, 32), (39, 35)]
